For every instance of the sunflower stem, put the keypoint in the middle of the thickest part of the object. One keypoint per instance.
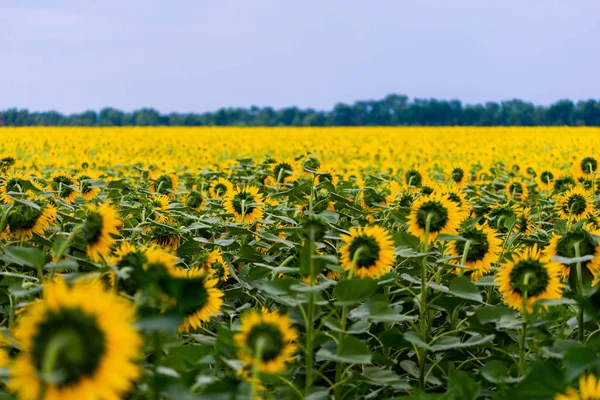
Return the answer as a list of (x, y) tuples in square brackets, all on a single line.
[(523, 339), (258, 351), (243, 207), (310, 327), (423, 303), (339, 366), (463, 261), (579, 293)]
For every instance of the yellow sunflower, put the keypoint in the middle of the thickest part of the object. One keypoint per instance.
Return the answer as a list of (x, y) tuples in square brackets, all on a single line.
[(216, 266), (484, 250), (444, 215), (576, 204), (194, 199), (286, 171), (589, 389), (219, 188), (85, 188), (459, 174), (246, 204), (15, 182), (98, 230), (77, 342), (271, 335), (546, 178), (516, 189), (564, 246), (586, 168), (23, 220), (326, 173), (414, 177), (160, 205), (456, 195), (376, 256), (207, 298), (125, 255), (156, 258), (165, 184), (166, 235), (64, 186), (531, 273), (524, 223)]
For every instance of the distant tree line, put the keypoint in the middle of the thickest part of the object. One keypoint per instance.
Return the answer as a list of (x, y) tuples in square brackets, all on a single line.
[(393, 110)]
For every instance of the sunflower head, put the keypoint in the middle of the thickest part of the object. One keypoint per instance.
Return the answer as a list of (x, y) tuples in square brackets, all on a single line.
[(220, 188), (195, 200), (576, 204), (516, 189), (86, 189), (286, 171), (529, 277), (436, 213), (546, 179), (23, 221), (563, 245), (563, 183), (459, 174), (589, 389), (7, 162), (588, 166), (369, 250), (76, 342), (165, 184), (245, 204), (483, 250), (268, 336), (414, 177), (198, 298), (64, 185), (99, 227)]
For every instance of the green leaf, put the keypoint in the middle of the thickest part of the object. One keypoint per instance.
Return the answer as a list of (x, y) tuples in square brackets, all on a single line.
[(577, 359), (544, 381), (350, 351), (416, 339), (462, 387), (352, 291), (27, 256), (493, 314), (453, 342), (463, 287), (496, 371), (385, 377)]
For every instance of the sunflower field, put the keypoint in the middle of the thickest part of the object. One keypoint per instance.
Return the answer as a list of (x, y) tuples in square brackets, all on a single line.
[(299, 263)]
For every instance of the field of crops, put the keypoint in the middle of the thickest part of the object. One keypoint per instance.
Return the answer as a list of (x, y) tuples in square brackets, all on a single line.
[(291, 263)]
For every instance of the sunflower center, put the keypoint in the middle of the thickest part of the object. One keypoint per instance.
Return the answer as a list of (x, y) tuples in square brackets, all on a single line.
[(515, 189), (194, 294), (282, 170), (247, 199), (272, 339), (63, 183), (219, 269), (439, 216), (23, 217), (82, 344), (576, 204), (426, 190), (529, 276), (566, 245), (458, 174), (164, 184), (563, 183), (589, 164), (479, 244), (547, 177), (369, 253), (92, 228), (194, 200), (413, 178), (220, 189)]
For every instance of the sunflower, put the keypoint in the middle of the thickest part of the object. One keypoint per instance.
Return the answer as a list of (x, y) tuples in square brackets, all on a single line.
[(516, 189), (126, 255), (531, 273), (85, 188), (194, 199), (77, 342), (414, 177), (220, 188), (563, 182), (15, 182), (326, 173), (165, 184), (206, 299), (271, 331), (376, 247), (459, 174), (159, 204), (286, 171), (245, 204), (165, 235), (216, 266), (6, 162), (484, 250), (392, 191), (269, 181), (443, 213), (564, 246), (98, 230), (589, 389), (576, 204), (454, 194), (64, 186), (524, 223), (499, 213), (23, 220), (546, 179), (586, 168)]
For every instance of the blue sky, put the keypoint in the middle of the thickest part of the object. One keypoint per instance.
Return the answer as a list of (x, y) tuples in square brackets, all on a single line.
[(199, 55)]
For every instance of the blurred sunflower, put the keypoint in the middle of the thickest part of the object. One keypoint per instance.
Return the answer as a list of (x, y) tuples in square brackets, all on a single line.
[(444, 214), (64, 185), (564, 246), (286, 171), (589, 389), (207, 299), (586, 168), (524, 223), (563, 182), (245, 204), (273, 333), (414, 177), (531, 273), (546, 179), (126, 255), (16, 182), (454, 194), (484, 250), (159, 205), (23, 221), (194, 199), (165, 235), (576, 204), (376, 256), (98, 230), (216, 266), (165, 184), (516, 189), (85, 187), (326, 173), (78, 342), (219, 188), (459, 174)]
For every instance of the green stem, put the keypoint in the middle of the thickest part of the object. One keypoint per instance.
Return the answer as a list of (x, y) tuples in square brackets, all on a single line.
[(310, 327), (579, 294), (423, 303), (523, 339), (258, 350), (463, 261)]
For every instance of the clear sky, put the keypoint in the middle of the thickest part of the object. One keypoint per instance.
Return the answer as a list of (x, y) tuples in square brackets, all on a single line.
[(200, 55)]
